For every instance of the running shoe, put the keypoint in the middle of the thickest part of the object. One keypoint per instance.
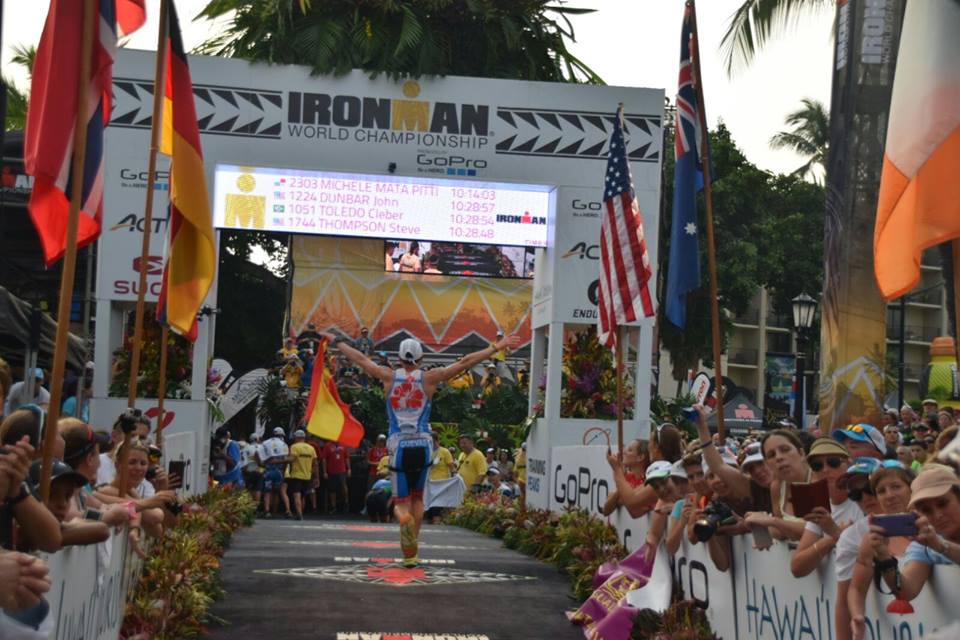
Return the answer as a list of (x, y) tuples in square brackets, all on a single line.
[(410, 563)]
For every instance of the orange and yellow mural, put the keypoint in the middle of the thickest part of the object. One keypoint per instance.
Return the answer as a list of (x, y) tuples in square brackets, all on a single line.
[(340, 283)]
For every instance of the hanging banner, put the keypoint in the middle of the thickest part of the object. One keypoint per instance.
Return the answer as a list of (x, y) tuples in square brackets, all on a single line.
[(340, 283), (853, 316), (779, 371)]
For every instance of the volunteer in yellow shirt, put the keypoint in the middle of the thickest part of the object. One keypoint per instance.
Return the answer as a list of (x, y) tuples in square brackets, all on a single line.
[(520, 467), (303, 466), (471, 465), (442, 467)]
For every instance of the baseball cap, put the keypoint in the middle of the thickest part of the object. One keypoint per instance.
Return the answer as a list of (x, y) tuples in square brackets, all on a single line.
[(677, 470), (299, 433), (278, 431), (364, 330), (60, 470), (382, 437), (863, 466), (658, 469), (933, 481), (38, 373), (862, 432), (90, 365), (825, 447), (929, 401), (410, 351), (81, 439), (751, 459)]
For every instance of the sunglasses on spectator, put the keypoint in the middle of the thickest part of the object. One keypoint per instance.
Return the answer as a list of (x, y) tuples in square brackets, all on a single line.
[(855, 428), (856, 493), (833, 462)]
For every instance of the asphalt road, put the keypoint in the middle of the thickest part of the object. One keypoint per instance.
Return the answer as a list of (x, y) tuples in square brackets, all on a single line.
[(341, 580)]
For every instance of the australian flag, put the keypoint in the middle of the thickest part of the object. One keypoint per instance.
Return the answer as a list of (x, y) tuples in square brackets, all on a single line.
[(683, 268)]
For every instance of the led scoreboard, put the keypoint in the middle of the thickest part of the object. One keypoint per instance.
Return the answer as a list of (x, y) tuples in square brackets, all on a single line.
[(362, 205)]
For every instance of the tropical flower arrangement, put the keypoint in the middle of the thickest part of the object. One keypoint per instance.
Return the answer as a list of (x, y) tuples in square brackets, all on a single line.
[(589, 383), (576, 542), (179, 580), (684, 620), (179, 361)]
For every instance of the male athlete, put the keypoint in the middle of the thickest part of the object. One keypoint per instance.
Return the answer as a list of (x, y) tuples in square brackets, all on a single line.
[(409, 391)]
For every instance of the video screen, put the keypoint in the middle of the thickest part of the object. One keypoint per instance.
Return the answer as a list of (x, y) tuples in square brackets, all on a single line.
[(457, 259)]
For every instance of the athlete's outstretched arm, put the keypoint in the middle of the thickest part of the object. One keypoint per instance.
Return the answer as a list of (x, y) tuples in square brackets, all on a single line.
[(436, 376), (368, 366)]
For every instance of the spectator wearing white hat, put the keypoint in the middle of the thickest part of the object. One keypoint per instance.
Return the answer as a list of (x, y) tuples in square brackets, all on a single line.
[(20, 395), (658, 478), (276, 454)]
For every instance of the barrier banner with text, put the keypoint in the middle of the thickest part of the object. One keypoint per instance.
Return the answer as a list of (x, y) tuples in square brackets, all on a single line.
[(758, 599)]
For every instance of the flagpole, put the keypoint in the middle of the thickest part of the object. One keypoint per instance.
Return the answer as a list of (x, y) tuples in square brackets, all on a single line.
[(70, 253), (162, 386), (955, 244), (708, 200), (159, 86), (620, 335), (158, 91)]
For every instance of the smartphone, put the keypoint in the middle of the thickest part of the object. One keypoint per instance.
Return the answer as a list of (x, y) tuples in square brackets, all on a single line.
[(176, 468), (897, 524), (761, 536)]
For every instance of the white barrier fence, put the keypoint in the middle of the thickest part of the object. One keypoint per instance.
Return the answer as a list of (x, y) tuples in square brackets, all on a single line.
[(758, 599), (89, 594)]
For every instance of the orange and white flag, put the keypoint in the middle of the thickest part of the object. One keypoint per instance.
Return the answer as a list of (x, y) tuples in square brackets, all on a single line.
[(919, 203)]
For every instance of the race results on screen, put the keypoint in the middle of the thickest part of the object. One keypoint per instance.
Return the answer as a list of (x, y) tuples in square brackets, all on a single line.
[(360, 205)]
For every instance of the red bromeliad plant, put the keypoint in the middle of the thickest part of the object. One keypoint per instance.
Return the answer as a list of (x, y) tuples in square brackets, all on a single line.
[(179, 582)]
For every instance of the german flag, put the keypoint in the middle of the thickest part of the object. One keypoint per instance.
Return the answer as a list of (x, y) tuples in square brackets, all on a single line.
[(190, 254), (328, 416)]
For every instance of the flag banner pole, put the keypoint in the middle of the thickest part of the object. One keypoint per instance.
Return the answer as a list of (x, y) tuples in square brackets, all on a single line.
[(70, 253), (620, 335), (955, 245), (155, 124), (162, 385), (708, 200), (158, 91)]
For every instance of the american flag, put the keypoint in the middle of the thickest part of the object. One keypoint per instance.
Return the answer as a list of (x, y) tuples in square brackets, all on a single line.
[(625, 270)]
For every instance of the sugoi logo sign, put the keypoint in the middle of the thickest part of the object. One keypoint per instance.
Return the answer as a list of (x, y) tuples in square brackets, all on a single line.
[(12, 182), (130, 285), (154, 265)]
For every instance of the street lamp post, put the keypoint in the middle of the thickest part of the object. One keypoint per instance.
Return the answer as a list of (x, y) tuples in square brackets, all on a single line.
[(804, 309)]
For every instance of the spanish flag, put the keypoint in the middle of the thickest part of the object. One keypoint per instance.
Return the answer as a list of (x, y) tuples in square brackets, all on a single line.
[(919, 203), (328, 416), (190, 254)]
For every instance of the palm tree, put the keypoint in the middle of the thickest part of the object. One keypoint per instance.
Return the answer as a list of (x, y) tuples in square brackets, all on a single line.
[(756, 22), (17, 101), (522, 39), (809, 136)]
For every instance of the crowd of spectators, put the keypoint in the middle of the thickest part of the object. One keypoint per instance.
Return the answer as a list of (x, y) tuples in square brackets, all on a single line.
[(89, 501), (882, 502)]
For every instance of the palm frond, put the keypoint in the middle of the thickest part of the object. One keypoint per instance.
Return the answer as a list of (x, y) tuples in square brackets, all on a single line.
[(755, 22)]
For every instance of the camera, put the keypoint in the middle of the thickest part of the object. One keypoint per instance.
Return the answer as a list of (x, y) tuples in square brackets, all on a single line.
[(174, 507), (128, 420), (716, 514)]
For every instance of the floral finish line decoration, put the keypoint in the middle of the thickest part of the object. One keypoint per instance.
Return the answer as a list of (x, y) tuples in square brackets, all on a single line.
[(394, 575)]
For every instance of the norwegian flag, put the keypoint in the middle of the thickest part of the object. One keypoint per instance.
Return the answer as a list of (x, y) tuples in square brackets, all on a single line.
[(48, 144), (625, 270)]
